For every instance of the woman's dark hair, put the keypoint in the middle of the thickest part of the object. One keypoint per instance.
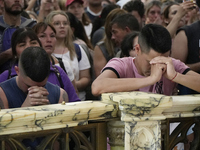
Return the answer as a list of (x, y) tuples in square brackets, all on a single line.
[(99, 21), (41, 27), (20, 35), (78, 29), (127, 43), (167, 8)]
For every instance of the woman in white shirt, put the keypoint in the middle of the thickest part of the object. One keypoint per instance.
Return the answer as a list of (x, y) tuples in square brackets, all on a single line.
[(65, 49)]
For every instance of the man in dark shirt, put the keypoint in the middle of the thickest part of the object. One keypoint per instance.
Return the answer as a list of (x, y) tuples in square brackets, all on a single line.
[(30, 87), (9, 21)]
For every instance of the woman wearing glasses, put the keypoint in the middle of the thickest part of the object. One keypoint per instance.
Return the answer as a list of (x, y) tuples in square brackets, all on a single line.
[(65, 49)]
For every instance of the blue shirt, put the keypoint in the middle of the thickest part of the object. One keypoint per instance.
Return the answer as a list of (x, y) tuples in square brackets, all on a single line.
[(68, 87)]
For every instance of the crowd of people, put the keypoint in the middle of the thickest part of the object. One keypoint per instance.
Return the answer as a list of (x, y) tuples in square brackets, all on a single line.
[(75, 50), (82, 38)]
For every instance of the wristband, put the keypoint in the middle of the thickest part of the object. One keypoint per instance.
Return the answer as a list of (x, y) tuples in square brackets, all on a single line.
[(174, 77)]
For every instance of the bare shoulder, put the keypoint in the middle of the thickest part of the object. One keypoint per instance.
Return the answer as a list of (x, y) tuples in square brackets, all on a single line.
[(180, 47), (3, 99), (97, 51)]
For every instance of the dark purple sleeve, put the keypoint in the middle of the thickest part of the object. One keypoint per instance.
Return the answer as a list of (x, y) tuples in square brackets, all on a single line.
[(68, 87), (4, 76)]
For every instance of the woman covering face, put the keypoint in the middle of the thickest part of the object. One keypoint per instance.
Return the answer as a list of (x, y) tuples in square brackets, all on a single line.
[(169, 13), (153, 12)]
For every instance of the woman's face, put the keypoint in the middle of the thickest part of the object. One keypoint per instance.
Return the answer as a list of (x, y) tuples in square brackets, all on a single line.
[(172, 12), (154, 13), (191, 14), (61, 24), (20, 47), (76, 9), (48, 40), (48, 5)]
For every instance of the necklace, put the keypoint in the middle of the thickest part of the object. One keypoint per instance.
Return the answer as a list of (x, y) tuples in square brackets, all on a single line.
[(60, 52)]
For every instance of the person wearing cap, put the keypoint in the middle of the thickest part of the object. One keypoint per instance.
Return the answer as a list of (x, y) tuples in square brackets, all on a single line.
[(77, 9)]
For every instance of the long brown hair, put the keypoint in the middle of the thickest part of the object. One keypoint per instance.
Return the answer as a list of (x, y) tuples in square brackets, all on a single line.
[(107, 39), (69, 38)]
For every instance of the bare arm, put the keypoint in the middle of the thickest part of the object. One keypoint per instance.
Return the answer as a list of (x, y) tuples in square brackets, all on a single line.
[(191, 79), (84, 79), (3, 99), (107, 81), (56, 4), (180, 50), (43, 10), (31, 4), (180, 47), (183, 9), (99, 60), (1, 104), (75, 87), (63, 96)]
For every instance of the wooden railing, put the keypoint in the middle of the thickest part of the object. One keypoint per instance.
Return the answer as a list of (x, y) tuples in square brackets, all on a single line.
[(130, 120)]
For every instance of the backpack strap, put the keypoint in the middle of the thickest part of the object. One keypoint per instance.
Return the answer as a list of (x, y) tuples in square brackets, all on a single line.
[(104, 50), (78, 52), (9, 74), (88, 53), (61, 64), (26, 22), (53, 62), (58, 76), (2, 24)]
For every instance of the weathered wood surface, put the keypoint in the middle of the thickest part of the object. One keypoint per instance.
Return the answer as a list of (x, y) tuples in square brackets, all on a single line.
[(46, 117)]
